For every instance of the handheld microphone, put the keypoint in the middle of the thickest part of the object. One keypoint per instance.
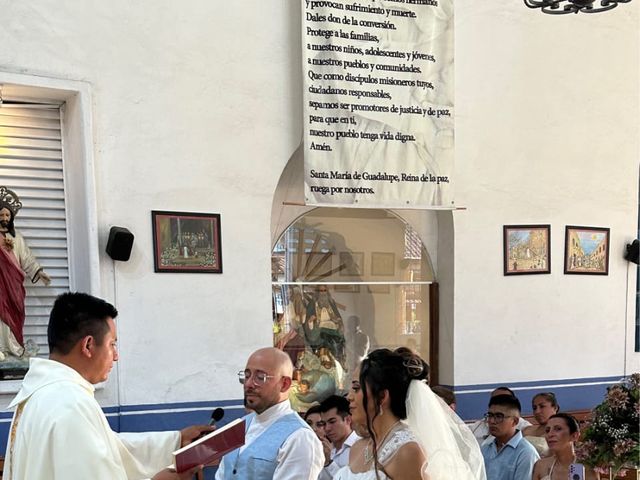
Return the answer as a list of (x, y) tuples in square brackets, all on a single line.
[(216, 416)]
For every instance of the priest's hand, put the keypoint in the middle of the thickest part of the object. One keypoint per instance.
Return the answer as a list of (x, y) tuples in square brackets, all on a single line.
[(189, 434), (171, 474)]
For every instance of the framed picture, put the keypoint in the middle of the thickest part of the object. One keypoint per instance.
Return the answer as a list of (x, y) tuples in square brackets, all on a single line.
[(347, 288), (526, 249), (586, 250), (379, 288), (383, 263), (353, 264), (185, 242)]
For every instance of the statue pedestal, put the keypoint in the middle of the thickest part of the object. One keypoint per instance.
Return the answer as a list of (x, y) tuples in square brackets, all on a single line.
[(13, 368)]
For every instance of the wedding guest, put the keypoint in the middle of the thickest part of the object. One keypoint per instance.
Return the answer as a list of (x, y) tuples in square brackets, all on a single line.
[(508, 456), (446, 395), (313, 417), (481, 428), (561, 432), (544, 405), (339, 435)]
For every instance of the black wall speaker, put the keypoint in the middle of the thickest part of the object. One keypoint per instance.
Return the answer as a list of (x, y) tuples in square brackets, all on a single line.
[(632, 252), (120, 243)]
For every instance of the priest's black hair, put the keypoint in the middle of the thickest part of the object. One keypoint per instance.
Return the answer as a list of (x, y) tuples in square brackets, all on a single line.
[(74, 316)]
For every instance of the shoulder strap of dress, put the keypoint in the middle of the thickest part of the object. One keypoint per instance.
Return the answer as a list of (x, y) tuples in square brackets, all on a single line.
[(394, 443)]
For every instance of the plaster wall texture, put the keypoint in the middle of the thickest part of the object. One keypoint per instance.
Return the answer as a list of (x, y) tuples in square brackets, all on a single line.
[(546, 132), (197, 107)]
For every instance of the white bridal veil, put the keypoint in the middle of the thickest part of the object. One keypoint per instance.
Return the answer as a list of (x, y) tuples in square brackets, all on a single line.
[(451, 449)]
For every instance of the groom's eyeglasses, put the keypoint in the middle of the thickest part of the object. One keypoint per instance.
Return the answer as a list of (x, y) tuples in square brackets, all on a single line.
[(259, 378)]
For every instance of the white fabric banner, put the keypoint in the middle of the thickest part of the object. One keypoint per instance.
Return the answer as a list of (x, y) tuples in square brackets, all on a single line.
[(378, 103)]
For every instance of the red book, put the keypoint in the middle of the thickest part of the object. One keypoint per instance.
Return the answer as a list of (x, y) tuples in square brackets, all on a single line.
[(211, 447)]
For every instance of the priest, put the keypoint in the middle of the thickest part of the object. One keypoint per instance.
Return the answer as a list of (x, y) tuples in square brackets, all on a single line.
[(58, 429)]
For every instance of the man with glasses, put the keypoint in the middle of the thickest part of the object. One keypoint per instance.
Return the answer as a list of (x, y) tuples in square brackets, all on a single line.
[(278, 445), (508, 456), (480, 428)]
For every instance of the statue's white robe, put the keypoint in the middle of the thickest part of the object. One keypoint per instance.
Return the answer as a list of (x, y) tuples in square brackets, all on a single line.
[(62, 433)]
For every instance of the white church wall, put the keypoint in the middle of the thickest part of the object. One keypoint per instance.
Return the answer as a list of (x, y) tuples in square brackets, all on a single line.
[(546, 133), (201, 121), (197, 108)]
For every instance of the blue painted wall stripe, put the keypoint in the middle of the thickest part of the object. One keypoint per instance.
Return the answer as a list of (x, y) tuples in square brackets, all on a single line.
[(576, 394), (488, 387), (572, 394)]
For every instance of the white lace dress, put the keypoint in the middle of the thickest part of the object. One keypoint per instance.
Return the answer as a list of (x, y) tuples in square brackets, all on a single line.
[(396, 439)]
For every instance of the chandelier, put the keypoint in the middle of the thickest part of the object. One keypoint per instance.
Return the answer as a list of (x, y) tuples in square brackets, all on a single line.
[(560, 7)]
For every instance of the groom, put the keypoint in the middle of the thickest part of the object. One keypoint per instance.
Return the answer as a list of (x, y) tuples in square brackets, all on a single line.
[(279, 445)]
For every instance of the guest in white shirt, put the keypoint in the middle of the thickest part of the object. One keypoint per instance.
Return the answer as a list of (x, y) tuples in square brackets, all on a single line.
[(339, 435), (279, 445)]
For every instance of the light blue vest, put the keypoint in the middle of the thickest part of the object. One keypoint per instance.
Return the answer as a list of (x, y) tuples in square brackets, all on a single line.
[(258, 460)]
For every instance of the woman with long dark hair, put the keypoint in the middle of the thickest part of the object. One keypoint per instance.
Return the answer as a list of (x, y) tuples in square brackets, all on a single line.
[(413, 435)]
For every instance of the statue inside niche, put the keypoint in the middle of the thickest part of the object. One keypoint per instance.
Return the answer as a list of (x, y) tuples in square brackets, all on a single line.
[(16, 262), (323, 326)]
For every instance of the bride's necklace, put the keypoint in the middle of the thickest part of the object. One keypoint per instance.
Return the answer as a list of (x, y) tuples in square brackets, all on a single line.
[(368, 451)]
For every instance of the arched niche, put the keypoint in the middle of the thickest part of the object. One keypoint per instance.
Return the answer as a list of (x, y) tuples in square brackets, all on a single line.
[(380, 268)]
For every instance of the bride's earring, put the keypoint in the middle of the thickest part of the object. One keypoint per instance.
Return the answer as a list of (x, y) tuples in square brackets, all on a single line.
[(381, 411)]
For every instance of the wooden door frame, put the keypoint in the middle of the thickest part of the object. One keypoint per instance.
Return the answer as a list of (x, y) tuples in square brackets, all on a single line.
[(434, 333)]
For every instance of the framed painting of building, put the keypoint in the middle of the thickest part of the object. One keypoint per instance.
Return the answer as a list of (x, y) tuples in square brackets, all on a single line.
[(526, 249), (185, 242), (586, 250)]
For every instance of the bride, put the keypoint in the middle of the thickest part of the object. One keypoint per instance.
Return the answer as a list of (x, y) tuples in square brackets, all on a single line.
[(410, 434)]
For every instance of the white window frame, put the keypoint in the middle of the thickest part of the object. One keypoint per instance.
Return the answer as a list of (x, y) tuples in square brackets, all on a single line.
[(78, 167)]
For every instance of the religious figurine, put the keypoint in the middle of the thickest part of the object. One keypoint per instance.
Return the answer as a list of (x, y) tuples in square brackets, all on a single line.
[(323, 326), (16, 262)]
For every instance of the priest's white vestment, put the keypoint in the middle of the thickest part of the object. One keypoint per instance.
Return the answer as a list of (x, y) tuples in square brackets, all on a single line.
[(60, 432)]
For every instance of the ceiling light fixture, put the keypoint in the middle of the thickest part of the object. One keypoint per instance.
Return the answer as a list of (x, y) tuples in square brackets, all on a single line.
[(560, 7)]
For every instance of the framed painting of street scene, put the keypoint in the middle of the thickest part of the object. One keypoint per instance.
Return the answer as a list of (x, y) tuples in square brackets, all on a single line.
[(586, 250), (526, 249), (185, 242)]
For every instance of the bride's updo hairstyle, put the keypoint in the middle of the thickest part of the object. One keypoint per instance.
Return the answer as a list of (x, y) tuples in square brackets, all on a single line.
[(393, 371)]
